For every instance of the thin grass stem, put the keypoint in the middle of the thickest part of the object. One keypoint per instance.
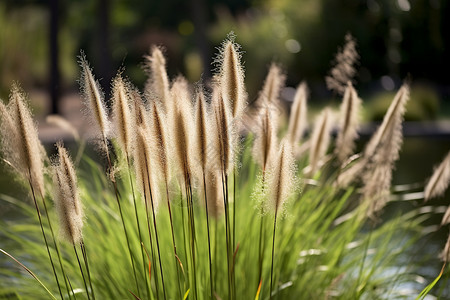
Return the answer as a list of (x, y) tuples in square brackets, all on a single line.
[(273, 251), (86, 264), (209, 238), (81, 270), (43, 232), (137, 223)]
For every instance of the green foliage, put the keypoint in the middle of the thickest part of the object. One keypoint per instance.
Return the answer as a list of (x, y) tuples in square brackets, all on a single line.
[(324, 246)]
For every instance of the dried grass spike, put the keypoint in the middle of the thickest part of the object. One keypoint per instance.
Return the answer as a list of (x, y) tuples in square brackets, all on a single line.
[(297, 119), (320, 140), (158, 82), (32, 166), (232, 78), (67, 199), (349, 125), (93, 99), (344, 70), (440, 179), (282, 177), (122, 116)]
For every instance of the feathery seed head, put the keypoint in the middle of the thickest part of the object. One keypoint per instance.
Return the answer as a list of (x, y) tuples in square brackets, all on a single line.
[(273, 84), (29, 151), (158, 81), (320, 140), (226, 136), (264, 147), (202, 126), (231, 78), (122, 116), (281, 178), (95, 107), (182, 129), (144, 167), (349, 125), (297, 119), (439, 181), (344, 69), (67, 199)]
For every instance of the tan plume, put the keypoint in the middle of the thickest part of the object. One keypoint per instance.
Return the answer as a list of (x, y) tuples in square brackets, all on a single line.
[(182, 129), (93, 100), (157, 85), (29, 156), (160, 138), (281, 177), (67, 199), (265, 144), (122, 115), (349, 124), (439, 181), (232, 78), (320, 140), (381, 153), (225, 133), (203, 132), (297, 119), (344, 69), (144, 167)]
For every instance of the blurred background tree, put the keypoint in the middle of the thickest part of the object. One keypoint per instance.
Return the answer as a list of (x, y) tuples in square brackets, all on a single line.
[(396, 39)]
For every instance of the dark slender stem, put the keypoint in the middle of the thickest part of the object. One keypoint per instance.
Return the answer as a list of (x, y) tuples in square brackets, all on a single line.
[(173, 239), (191, 226), (262, 235), (86, 263), (58, 254), (361, 268), (81, 270), (273, 250), (234, 232), (138, 224), (156, 230), (43, 233), (225, 203), (150, 240), (209, 238)]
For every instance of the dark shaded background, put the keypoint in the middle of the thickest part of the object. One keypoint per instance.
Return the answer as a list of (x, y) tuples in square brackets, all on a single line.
[(40, 42)]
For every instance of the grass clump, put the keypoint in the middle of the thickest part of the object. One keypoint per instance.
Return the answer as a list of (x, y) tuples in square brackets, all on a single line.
[(186, 202)]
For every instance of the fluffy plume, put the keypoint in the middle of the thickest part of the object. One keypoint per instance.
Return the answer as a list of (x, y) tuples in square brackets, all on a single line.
[(384, 146), (349, 124), (67, 199), (344, 69), (273, 84), (439, 181), (182, 130), (264, 147), (281, 178), (225, 134), (20, 141), (158, 81), (231, 78), (143, 164), (214, 192), (297, 119), (95, 107), (160, 140), (203, 132), (122, 116), (320, 140), (382, 152)]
